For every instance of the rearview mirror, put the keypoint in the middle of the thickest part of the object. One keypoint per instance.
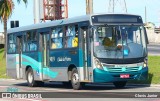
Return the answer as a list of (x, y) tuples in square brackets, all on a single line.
[(146, 37)]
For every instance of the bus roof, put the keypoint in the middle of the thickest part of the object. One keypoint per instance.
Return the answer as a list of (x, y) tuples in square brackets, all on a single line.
[(57, 23), (49, 24)]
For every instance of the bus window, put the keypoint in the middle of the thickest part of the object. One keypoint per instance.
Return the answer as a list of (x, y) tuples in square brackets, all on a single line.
[(106, 36), (11, 44), (56, 38), (71, 38), (24, 43), (31, 44)]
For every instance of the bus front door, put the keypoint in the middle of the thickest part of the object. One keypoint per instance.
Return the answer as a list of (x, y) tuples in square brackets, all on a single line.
[(44, 48), (84, 33), (19, 58)]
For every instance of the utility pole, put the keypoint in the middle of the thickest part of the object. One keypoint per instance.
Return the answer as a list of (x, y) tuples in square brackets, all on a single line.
[(36, 10), (145, 14), (89, 6)]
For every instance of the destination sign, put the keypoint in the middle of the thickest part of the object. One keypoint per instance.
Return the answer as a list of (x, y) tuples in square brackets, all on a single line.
[(116, 18)]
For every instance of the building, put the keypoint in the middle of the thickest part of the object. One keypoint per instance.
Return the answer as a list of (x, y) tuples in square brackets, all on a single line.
[(152, 32), (1, 38)]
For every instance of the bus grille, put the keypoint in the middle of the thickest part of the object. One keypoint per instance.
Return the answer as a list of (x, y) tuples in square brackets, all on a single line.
[(123, 69)]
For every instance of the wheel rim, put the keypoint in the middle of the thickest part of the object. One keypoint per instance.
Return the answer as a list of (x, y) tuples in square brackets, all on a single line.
[(75, 78), (30, 77)]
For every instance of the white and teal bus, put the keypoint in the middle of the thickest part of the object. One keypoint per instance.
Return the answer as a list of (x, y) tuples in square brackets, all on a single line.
[(87, 49)]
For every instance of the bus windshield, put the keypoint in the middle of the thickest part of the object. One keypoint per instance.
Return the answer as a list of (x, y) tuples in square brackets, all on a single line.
[(119, 41)]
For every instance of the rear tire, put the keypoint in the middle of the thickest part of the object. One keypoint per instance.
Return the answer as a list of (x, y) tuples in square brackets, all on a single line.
[(120, 84), (30, 79), (76, 84)]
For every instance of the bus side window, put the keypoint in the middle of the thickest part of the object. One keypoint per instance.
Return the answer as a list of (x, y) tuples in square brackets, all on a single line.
[(71, 38), (24, 43), (28, 41), (31, 44), (56, 38), (69, 35), (75, 39), (11, 44)]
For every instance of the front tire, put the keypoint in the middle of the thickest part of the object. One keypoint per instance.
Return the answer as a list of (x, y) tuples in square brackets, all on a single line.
[(120, 84), (76, 84)]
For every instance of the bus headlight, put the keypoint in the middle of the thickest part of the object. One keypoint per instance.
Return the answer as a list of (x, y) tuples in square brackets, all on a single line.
[(98, 64), (145, 63)]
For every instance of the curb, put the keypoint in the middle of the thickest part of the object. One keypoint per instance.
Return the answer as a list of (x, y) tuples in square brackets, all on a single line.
[(146, 85)]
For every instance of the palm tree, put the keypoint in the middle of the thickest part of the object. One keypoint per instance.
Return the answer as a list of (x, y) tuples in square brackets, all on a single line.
[(6, 9)]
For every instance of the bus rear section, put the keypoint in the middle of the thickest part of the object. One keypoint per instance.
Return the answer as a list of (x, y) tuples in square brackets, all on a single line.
[(119, 49)]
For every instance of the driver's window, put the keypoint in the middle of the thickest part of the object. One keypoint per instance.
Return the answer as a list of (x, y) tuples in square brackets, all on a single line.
[(106, 36), (134, 35), (137, 37)]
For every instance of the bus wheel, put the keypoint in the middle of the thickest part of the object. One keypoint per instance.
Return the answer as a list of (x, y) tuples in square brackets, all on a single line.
[(30, 78), (120, 84), (75, 79)]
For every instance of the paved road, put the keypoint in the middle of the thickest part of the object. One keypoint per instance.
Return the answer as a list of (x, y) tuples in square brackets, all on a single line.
[(57, 91), (154, 49)]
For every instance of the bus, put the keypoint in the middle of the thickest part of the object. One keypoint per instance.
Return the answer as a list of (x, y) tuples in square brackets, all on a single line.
[(98, 48)]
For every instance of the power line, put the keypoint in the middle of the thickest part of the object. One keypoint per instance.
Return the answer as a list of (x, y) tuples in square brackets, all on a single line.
[(113, 5)]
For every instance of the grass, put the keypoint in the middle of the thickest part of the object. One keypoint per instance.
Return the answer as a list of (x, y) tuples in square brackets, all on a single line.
[(153, 62), (2, 65), (154, 71)]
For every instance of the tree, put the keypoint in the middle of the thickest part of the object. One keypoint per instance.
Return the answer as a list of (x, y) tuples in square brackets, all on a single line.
[(6, 9)]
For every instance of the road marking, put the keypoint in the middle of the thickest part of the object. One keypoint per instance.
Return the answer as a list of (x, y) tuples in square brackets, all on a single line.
[(4, 86)]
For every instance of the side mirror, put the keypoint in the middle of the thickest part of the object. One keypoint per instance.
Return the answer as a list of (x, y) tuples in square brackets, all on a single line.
[(146, 37)]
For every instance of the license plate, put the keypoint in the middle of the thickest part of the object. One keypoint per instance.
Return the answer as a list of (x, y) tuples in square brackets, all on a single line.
[(124, 76)]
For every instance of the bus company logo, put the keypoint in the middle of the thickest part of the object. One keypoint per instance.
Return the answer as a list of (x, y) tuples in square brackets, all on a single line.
[(6, 95), (121, 66), (61, 59), (52, 59)]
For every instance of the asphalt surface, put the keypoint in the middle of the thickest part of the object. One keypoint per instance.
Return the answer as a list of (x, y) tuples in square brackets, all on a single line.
[(56, 91), (154, 49)]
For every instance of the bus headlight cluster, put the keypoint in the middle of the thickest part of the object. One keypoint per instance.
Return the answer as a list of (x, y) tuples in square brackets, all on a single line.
[(145, 63), (98, 64)]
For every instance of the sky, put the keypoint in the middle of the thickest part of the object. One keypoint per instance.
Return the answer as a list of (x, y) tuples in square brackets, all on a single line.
[(78, 7)]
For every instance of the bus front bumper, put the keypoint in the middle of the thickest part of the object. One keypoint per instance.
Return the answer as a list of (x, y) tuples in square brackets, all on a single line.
[(104, 76)]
